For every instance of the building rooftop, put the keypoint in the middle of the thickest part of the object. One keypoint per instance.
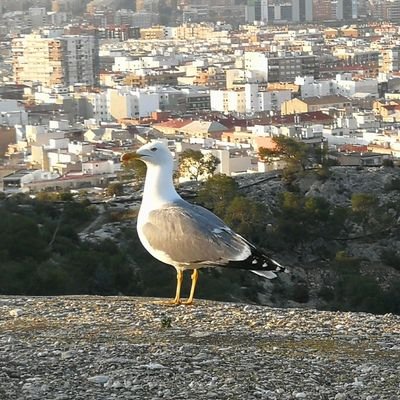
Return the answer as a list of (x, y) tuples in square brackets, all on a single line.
[(325, 100)]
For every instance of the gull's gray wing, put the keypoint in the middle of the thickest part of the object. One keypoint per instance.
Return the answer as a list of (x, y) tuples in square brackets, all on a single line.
[(190, 234)]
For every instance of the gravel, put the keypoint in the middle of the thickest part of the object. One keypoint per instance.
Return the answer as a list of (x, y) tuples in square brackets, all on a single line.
[(86, 347)]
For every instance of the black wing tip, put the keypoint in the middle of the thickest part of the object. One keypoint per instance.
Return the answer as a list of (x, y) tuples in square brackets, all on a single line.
[(259, 261), (263, 262)]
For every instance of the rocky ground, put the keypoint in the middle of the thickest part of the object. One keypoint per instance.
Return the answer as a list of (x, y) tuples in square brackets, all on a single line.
[(132, 348)]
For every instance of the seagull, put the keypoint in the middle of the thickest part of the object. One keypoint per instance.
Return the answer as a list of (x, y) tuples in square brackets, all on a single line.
[(184, 235)]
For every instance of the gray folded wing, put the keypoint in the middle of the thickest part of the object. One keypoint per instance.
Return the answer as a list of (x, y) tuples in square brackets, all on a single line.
[(190, 234)]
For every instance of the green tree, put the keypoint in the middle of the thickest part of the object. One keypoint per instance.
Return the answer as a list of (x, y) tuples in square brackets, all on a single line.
[(194, 164), (47, 196), (217, 192), (247, 217), (135, 169), (294, 152), (21, 237), (302, 220), (66, 196), (220, 193), (317, 208), (363, 202), (115, 189)]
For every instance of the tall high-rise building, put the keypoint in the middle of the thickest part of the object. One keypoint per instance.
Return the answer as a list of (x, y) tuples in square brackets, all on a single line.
[(36, 59), (279, 10), (324, 10), (348, 9), (64, 60), (393, 10), (257, 11), (302, 10), (329, 10)]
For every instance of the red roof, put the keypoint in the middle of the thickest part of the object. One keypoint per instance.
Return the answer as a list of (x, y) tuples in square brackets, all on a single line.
[(351, 148), (291, 119), (392, 107)]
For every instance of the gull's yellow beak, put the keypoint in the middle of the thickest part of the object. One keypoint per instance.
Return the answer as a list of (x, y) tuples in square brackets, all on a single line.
[(126, 157)]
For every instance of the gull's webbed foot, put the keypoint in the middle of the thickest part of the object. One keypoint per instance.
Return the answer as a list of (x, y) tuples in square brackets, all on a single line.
[(169, 303)]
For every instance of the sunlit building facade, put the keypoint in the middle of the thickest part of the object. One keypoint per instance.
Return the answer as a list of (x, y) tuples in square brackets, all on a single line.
[(64, 60)]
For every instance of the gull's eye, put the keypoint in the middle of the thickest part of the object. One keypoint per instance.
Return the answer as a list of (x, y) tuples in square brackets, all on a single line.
[(153, 149)]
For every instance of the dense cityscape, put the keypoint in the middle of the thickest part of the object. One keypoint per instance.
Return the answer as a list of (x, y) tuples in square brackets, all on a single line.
[(82, 82)]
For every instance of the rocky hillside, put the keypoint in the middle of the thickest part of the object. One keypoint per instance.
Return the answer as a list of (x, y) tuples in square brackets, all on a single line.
[(371, 237), (129, 348), (343, 251)]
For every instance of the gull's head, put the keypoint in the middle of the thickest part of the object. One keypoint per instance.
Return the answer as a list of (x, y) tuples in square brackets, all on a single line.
[(153, 154)]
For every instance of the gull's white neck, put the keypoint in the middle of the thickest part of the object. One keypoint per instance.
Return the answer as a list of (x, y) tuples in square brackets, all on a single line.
[(158, 188)]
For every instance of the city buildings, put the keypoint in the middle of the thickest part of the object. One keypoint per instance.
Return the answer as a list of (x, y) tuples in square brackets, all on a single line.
[(212, 86), (61, 60)]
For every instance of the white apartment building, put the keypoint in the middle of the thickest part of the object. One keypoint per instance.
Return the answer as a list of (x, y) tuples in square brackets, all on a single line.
[(126, 64), (342, 85), (219, 100), (127, 103), (256, 63), (62, 125), (366, 120), (98, 106), (309, 87), (264, 130), (348, 125), (80, 148), (50, 95), (251, 97), (229, 165), (59, 160), (348, 87), (40, 135), (122, 102), (131, 64), (98, 167), (58, 143), (228, 100), (248, 99)]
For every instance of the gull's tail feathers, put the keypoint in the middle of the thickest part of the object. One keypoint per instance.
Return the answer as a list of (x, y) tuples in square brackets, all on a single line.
[(265, 266), (259, 263)]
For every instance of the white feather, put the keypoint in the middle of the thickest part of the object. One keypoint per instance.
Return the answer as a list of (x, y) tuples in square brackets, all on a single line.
[(265, 274)]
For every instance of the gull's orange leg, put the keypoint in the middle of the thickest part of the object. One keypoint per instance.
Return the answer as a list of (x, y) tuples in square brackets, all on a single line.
[(195, 277), (177, 300), (179, 280)]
